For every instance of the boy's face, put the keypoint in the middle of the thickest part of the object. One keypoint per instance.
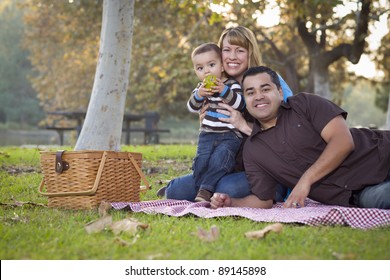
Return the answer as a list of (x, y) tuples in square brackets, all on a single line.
[(207, 63)]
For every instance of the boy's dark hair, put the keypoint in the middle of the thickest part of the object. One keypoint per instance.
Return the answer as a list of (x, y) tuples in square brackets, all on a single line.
[(206, 47), (262, 69)]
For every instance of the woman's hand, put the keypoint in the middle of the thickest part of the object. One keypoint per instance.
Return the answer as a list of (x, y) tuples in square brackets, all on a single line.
[(235, 118), (202, 112)]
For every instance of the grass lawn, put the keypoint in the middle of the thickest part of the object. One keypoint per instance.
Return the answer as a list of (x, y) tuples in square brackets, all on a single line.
[(33, 231)]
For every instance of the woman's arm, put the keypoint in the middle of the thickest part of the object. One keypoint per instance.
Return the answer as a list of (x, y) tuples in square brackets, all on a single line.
[(235, 118)]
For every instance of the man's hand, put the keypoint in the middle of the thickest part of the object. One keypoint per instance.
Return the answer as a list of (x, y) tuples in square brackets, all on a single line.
[(297, 197), (219, 200)]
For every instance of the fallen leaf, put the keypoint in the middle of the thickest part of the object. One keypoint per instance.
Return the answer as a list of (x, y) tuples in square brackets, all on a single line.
[(262, 233), (98, 225), (127, 225), (208, 236), (155, 256), (347, 256), (103, 208), (163, 182), (143, 189)]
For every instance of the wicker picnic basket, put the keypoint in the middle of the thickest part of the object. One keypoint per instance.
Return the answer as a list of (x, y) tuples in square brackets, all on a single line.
[(83, 179)]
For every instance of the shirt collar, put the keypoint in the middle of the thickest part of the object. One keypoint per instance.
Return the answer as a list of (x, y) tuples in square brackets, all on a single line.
[(285, 105), (256, 125)]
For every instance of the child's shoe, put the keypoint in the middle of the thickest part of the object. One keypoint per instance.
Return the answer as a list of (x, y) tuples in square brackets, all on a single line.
[(203, 195)]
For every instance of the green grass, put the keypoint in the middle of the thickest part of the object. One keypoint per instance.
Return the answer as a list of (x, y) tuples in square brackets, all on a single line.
[(32, 231)]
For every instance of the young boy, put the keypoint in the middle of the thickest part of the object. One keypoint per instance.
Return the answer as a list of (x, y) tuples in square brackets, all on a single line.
[(218, 141)]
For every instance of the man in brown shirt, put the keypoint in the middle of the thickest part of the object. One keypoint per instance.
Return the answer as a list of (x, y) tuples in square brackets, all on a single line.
[(306, 145)]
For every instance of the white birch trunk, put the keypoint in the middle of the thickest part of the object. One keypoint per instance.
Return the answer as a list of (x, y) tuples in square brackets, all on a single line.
[(388, 116), (102, 129), (321, 85)]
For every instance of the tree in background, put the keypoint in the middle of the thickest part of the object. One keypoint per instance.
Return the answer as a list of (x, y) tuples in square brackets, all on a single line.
[(63, 39), (383, 87), (18, 101), (102, 128), (325, 36), (165, 33)]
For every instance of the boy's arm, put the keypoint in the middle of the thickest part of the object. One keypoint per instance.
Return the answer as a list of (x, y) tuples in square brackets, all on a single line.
[(232, 95), (195, 102)]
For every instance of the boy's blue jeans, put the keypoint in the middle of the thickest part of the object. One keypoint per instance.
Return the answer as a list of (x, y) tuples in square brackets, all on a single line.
[(215, 157)]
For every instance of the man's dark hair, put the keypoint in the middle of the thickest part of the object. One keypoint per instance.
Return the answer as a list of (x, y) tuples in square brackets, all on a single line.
[(262, 69)]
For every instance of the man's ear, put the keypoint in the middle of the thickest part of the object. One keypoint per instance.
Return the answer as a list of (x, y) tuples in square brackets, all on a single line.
[(281, 93)]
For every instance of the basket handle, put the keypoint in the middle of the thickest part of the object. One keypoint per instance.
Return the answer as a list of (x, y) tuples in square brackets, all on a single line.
[(141, 174), (89, 192)]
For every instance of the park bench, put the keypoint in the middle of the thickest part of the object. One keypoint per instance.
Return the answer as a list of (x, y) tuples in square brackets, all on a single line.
[(150, 129)]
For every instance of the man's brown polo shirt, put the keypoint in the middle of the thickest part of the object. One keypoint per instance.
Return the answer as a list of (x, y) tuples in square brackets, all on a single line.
[(283, 153)]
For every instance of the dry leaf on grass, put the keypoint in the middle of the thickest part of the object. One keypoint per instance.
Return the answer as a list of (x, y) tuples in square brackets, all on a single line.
[(127, 225), (347, 256), (103, 208), (262, 233), (98, 225), (208, 236), (143, 189), (157, 256), (162, 182)]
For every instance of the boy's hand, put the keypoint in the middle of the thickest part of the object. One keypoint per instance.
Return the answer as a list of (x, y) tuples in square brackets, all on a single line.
[(219, 200), (219, 87), (204, 92)]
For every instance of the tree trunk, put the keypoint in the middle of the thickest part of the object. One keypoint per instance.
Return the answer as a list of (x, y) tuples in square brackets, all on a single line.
[(102, 129), (321, 58), (321, 82), (388, 116)]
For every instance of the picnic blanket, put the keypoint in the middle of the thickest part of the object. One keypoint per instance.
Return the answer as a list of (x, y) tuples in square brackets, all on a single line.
[(314, 213)]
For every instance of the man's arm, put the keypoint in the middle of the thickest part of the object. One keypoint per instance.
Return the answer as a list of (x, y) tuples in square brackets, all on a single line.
[(339, 145), (219, 200)]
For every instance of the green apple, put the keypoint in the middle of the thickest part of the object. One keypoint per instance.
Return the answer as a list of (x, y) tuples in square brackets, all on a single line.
[(210, 81)]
